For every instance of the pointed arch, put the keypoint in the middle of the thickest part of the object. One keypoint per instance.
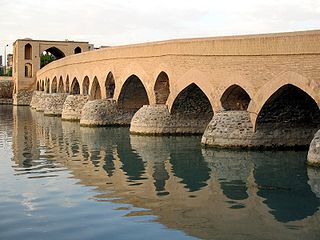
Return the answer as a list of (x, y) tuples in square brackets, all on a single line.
[(235, 98), (110, 85), (48, 85), (162, 88), (133, 94), (67, 85), (28, 51), (38, 88), (85, 86), (75, 87), (54, 85), (95, 89), (77, 50), (61, 86)]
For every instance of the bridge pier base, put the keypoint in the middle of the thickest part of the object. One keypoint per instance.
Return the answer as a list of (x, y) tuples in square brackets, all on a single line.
[(54, 104), (104, 112), (314, 151), (36, 99), (157, 120), (229, 129), (40, 106), (22, 97), (72, 107)]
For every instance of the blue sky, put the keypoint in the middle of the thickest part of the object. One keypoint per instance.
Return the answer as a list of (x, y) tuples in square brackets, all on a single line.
[(117, 22)]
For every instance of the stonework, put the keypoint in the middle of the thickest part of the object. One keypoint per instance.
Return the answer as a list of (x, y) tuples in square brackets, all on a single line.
[(36, 99), (72, 107), (6, 89), (233, 129), (156, 120), (104, 113), (314, 151), (229, 129), (41, 102), (54, 104), (22, 98)]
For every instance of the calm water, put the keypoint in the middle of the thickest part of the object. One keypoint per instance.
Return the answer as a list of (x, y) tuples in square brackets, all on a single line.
[(61, 181)]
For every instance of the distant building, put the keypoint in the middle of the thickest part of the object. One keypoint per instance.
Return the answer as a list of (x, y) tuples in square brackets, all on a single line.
[(9, 60)]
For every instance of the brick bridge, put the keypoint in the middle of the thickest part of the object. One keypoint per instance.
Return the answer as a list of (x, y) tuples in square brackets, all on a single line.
[(241, 91)]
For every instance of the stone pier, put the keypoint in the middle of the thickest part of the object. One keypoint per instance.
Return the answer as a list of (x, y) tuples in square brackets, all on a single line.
[(233, 129), (36, 99), (54, 104), (22, 98), (314, 151), (72, 107), (40, 106), (104, 112), (156, 120)]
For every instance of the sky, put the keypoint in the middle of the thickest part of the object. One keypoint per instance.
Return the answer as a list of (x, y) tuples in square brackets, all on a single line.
[(119, 22)]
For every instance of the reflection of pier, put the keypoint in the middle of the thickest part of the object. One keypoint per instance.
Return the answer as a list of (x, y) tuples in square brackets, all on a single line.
[(202, 192)]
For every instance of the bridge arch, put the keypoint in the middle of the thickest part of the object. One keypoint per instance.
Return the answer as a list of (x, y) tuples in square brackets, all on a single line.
[(77, 50), (235, 98), (110, 85), (85, 86), (47, 85), (95, 92), (67, 84), (38, 86), (75, 87), (133, 94), (61, 85), (162, 88), (267, 90), (54, 85)]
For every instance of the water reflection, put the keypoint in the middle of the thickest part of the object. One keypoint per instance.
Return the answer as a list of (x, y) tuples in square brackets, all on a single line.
[(206, 193)]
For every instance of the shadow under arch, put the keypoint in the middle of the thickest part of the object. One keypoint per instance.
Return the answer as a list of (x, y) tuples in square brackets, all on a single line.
[(110, 85), (54, 85), (162, 88), (75, 87), (95, 92), (85, 86), (291, 115), (133, 94), (61, 86), (235, 98)]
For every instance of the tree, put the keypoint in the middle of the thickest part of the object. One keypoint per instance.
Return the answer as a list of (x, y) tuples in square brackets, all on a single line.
[(9, 72), (46, 58)]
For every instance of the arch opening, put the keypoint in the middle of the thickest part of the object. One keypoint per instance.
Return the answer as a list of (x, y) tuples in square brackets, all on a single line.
[(192, 109), (28, 70), (38, 88), (235, 98), (162, 88), (61, 86), (95, 89), (85, 86), (133, 95), (42, 85), (77, 50), (67, 85), (54, 85), (48, 86), (291, 115), (75, 87), (50, 55), (28, 52), (110, 85)]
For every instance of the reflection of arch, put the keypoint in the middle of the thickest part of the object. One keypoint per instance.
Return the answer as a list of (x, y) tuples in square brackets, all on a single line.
[(67, 85), (60, 87), (235, 98), (192, 101), (110, 85), (75, 87), (133, 95), (28, 52), (77, 50), (289, 105), (95, 89), (28, 70), (54, 85), (162, 88), (85, 86)]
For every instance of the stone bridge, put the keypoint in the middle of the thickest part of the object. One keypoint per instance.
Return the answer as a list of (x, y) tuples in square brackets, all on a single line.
[(242, 91)]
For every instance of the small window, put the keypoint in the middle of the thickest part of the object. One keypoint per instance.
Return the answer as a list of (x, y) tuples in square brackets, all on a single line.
[(28, 52), (28, 70)]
